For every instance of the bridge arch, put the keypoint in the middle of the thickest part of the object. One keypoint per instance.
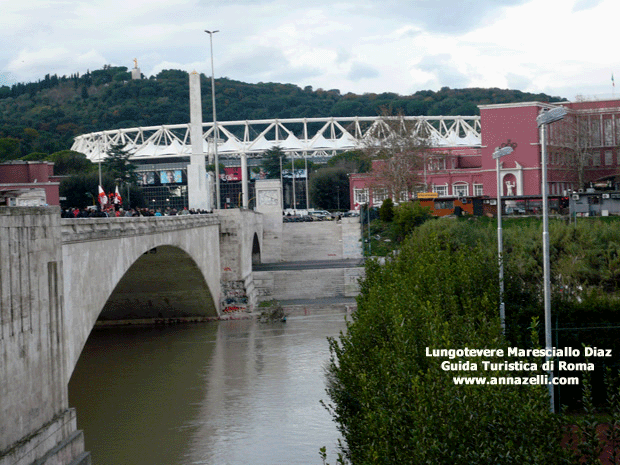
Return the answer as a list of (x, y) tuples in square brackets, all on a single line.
[(256, 252), (102, 260), (164, 282)]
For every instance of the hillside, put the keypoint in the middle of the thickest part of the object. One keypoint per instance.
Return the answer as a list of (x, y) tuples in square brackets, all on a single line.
[(45, 116)]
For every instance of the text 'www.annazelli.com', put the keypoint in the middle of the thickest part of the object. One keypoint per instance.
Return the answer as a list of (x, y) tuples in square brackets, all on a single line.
[(516, 380)]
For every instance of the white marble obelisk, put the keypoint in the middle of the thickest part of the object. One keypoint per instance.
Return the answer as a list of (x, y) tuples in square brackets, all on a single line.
[(199, 191)]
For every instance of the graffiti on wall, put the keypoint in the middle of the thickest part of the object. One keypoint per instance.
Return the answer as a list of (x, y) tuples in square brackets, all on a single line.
[(234, 297)]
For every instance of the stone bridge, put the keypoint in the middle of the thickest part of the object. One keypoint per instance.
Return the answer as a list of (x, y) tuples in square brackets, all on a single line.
[(58, 277)]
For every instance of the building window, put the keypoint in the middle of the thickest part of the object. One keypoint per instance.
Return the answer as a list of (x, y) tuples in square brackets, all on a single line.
[(360, 196), (403, 196), (379, 195), (596, 159), (460, 190), (442, 191), (478, 190), (436, 164), (608, 132), (609, 159), (595, 130), (444, 204)]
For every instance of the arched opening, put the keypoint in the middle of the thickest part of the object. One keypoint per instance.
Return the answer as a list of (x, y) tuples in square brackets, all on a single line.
[(164, 283), (255, 251), (509, 185)]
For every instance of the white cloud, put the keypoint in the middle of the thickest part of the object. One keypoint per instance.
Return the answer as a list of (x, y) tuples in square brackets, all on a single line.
[(561, 47)]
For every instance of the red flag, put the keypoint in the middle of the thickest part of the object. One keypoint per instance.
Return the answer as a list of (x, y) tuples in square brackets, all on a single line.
[(103, 199)]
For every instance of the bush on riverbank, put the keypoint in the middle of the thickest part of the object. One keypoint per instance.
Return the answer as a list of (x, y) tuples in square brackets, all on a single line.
[(273, 311), (394, 404)]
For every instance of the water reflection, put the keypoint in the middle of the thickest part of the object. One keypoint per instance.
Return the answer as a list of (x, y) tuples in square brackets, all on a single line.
[(234, 392)]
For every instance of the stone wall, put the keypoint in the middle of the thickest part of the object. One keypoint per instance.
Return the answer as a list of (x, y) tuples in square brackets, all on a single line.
[(35, 421), (321, 240), (308, 283), (241, 244), (307, 242)]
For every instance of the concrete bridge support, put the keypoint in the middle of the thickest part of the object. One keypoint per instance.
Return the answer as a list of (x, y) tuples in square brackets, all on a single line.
[(36, 424), (241, 247)]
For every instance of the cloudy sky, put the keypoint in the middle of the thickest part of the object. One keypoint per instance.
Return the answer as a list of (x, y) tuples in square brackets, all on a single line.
[(560, 47)]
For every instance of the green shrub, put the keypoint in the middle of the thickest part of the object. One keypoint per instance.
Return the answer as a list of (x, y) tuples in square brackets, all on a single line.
[(396, 405), (407, 216), (386, 211)]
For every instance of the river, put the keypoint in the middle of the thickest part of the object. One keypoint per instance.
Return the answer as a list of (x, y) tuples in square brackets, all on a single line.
[(220, 393)]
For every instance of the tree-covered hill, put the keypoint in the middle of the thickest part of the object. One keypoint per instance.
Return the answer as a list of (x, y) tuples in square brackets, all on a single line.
[(45, 116)]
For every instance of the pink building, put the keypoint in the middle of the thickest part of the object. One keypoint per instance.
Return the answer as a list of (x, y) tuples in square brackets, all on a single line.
[(32, 182), (591, 130)]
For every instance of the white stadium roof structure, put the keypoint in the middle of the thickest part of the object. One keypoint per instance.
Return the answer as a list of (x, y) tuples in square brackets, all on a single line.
[(297, 137)]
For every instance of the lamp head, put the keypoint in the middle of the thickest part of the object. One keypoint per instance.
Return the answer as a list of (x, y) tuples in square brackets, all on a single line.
[(551, 116), (499, 153)]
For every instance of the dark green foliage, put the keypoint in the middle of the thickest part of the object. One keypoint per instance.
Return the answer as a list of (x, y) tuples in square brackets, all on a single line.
[(81, 190), (61, 107), (354, 161), (329, 189), (118, 166), (273, 312), (9, 149), (36, 156), (386, 211), (394, 404), (271, 162), (407, 216), (211, 167), (70, 162)]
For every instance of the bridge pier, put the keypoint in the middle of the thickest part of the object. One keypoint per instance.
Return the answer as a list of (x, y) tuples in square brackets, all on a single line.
[(241, 247), (36, 424)]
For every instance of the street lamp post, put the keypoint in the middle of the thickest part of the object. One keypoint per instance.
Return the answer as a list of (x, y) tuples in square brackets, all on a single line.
[(215, 129), (543, 119), (497, 154)]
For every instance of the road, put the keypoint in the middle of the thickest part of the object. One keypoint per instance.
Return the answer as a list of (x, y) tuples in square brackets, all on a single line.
[(310, 265)]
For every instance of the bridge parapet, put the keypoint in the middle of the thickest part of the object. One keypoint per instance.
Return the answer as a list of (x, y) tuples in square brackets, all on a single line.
[(93, 229)]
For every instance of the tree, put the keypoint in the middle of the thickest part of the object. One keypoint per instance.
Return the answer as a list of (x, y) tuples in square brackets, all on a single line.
[(271, 162), (329, 189), (354, 161), (36, 156), (401, 147), (409, 215), (571, 144), (70, 162), (81, 189), (386, 211), (9, 149), (118, 166)]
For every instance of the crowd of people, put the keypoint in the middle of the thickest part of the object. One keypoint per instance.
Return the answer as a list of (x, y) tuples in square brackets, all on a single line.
[(117, 211)]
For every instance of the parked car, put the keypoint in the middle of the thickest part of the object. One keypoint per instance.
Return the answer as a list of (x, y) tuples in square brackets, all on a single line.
[(515, 211), (321, 214)]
